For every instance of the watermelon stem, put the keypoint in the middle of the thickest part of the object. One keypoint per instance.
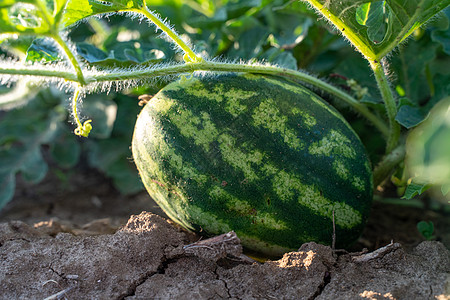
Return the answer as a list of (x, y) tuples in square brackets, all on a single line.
[(70, 52), (389, 103), (145, 74), (387, 164), (189, 56)]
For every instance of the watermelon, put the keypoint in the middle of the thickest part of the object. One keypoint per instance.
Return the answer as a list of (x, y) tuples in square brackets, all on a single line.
[(259, 155)]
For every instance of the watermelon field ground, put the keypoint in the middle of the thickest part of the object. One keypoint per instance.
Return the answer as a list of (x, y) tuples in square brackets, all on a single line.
[(299, 124), (61, 239)]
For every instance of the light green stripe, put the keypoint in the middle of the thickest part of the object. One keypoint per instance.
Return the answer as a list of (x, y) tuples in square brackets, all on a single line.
[(245, 161), (197, 89), (333, 143), (234, 99), (308, 120), (244, 208), (344, 215), (201, 129), (358, 183), (287, 186), (340, 169), (303, 91), (269, 116)]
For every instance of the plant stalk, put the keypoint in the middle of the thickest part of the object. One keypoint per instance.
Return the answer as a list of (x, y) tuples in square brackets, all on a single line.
[(153, 72), (71, 56), (24, 70), (192, 57), (389, 103), (387, 164)]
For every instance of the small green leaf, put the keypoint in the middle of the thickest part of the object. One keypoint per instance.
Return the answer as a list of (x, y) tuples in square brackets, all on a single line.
[(280, 58), (426, 229), (409, 116), (376, 22), (414, 189), (33, 167), (121, 53), (42, 50), (362, 13)]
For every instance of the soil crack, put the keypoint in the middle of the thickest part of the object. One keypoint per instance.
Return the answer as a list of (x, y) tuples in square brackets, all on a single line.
[(326, 280), (131, 291), (224, 282), (165, 262)]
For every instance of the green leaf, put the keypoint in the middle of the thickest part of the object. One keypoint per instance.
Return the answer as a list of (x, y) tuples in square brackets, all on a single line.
[(442, 33), (32, 167), (22, 17), (42, 50), (23, 132), (280, 58), (442, 37), (414, 189), (377, 27), (77, 10), (426, 229), (25, 158), (121, 53), (409, 116), (31, 17), (65, 149), (250, 42), (411, 65), (375, 17)]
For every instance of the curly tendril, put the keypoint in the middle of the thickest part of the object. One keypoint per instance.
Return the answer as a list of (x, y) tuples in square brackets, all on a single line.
[(85, 128)]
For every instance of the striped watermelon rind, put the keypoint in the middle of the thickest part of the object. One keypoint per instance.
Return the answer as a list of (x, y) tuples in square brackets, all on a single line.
[(264, 157)]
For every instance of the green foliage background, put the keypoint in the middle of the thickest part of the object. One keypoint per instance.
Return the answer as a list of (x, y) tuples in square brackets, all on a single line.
[(282, 32)]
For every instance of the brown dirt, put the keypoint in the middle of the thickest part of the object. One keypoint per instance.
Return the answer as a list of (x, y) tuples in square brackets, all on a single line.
[(61, 239)]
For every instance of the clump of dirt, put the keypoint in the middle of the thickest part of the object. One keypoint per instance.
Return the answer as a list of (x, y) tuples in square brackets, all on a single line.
[(151, 258)]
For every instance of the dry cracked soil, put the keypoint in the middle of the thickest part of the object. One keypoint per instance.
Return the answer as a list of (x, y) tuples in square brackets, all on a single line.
[(80, 242)]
